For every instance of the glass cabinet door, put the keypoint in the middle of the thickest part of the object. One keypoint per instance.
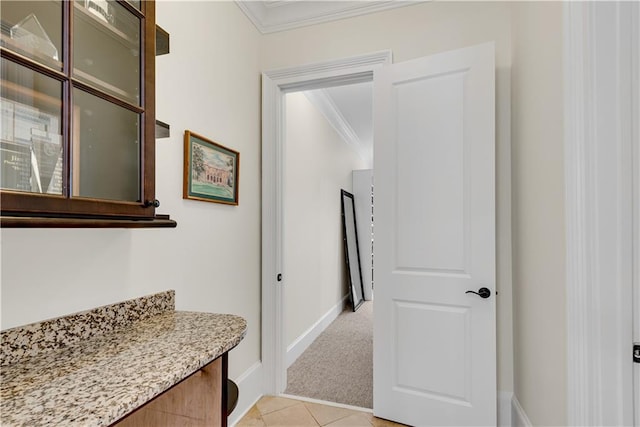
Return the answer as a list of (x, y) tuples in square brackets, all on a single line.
[(31, 146), (106, 48), (106, 149), (77, 136), (106, 135), (31, 134), (34, 29)]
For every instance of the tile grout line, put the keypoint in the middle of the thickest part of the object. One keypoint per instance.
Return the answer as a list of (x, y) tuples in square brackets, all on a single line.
[(320, 424), (311, 413)]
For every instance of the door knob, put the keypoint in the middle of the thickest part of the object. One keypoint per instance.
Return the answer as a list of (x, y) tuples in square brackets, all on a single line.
[(482, 292)]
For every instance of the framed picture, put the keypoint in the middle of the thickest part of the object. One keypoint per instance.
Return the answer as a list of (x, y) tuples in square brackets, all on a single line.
[(210, 170)]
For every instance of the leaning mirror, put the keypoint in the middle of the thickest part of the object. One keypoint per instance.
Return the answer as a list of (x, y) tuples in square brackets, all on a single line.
[(351, 252)]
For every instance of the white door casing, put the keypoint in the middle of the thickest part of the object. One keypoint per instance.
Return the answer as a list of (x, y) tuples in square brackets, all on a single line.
[(602, 46), (275, 84), (434, 175)]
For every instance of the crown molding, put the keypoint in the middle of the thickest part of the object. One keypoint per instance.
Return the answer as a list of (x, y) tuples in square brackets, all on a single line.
[(321, 99), (274, 16)]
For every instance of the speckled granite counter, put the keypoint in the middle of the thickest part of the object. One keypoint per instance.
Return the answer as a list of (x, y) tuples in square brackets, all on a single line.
[(98, 380)]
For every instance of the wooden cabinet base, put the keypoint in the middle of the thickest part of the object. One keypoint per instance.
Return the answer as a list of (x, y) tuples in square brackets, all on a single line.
[(196, 401)]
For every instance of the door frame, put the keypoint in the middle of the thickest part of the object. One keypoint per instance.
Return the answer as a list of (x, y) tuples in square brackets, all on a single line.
[(275, 85), (601, 66)]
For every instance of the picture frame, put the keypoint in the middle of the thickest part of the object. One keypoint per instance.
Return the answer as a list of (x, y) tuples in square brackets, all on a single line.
[(211, 171)]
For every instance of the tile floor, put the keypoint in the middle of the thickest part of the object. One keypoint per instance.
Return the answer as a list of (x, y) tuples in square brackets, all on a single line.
[(272, 411)]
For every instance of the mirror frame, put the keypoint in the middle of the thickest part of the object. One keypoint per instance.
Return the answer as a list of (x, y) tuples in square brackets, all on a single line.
[(350, 237)]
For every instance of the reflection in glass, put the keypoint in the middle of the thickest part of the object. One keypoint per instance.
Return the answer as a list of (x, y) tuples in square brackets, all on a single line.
[(31, 133), (104, 31), (34, 29), (30, 35), (135, 3), (106, 150)]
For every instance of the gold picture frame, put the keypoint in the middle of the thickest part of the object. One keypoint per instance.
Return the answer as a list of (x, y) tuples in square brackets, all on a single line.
[(211, 171)]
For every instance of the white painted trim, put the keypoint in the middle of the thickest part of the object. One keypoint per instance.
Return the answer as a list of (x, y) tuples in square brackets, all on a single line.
[(598, 202), (505, 410), (274, 85), (273, 345), (321, 99), (304, 341), (272, 17), (635, 73), (518, 416), (356, 69), (249, 392)]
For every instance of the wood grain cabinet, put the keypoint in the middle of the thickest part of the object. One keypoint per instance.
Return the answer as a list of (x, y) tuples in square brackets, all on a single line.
[(199, 400), (78, 110)]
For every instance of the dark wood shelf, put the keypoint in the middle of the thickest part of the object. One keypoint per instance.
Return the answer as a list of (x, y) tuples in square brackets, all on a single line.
[(160, 221), (162, 129), (162, 41)]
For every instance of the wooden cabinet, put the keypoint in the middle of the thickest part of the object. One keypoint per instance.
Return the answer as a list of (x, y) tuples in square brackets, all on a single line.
[(78, 109), (197, 401)]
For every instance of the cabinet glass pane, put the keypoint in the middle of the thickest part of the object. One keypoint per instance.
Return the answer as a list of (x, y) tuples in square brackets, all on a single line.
[(135, 3), (31, 132), (107, 48), (34, 29), (106, 149)]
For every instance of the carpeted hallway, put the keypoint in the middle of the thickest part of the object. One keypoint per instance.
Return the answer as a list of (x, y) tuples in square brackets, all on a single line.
[(338, 365)]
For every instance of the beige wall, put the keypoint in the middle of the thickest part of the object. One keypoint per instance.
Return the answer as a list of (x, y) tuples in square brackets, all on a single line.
[(209, 84), (538, 213), (411, 32), (318, 163)]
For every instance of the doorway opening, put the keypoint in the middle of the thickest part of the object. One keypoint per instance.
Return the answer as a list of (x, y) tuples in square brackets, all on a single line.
[(276, 85), (328, 143)]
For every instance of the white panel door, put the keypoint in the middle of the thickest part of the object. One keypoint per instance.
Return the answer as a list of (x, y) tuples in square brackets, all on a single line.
[(435, 344)]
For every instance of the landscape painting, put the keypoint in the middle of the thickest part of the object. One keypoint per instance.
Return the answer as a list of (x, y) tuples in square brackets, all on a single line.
[(210, 170)]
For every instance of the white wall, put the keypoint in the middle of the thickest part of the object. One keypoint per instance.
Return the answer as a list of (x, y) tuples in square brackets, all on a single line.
[(209, 84), (318, 164), (538, 212), (412, 32)]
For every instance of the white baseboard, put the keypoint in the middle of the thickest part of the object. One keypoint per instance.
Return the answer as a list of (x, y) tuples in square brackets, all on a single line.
[(518, 415), (504, 408), (250, 389), (304, 341)]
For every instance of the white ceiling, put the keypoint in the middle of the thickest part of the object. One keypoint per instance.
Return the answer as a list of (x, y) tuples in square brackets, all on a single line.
[(349, 109), (271, 16)]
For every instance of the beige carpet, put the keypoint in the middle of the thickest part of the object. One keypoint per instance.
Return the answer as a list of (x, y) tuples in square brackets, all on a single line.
[(338, 365)]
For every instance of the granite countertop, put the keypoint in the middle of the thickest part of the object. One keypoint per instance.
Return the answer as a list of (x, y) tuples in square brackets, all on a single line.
[(97, 381)]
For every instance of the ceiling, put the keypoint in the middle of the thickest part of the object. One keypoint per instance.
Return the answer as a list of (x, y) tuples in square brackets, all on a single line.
[(349, 109), (270, 16)]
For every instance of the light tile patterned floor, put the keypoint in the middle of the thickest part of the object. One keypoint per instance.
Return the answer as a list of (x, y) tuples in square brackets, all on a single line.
[(272, 411)]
